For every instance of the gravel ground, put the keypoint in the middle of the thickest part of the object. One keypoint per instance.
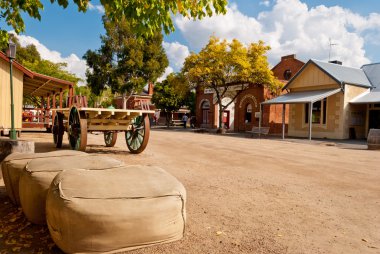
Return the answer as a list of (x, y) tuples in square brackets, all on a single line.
[(244, 195)]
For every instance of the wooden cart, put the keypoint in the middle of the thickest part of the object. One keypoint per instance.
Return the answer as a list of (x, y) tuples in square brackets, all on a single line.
[(78, 121)]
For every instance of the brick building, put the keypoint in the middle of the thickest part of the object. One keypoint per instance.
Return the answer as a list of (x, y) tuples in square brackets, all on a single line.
[(137, 101), (243, 113)]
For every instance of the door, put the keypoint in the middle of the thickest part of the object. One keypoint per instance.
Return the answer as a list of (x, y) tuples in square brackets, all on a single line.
[(374, 119), (226, 119)]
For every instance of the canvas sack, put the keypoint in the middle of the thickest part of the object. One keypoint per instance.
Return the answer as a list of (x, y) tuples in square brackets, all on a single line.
[(39, 173), (14, 164), (115, 210)]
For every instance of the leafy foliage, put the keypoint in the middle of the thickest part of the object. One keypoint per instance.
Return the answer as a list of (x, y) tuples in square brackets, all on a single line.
[(146, 16), (104, 100), (125, 61), (171, 94), (229, 68)]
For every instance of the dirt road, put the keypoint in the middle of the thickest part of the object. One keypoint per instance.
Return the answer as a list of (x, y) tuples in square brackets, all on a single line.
[(262, 196)]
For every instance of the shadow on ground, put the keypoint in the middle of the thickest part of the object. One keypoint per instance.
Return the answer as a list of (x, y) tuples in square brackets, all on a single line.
[(18, 235)]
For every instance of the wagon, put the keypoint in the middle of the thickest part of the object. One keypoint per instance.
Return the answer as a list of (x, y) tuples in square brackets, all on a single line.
[(78, 121)]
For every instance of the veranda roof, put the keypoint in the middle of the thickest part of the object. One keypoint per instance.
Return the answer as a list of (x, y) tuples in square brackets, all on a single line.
[(37, 84), (368, 97), (41, 85), (303, 97)]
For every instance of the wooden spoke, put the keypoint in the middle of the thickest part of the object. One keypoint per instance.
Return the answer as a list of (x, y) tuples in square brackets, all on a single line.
[(138, 136), (77, 130), (110, 138), (58, 130)]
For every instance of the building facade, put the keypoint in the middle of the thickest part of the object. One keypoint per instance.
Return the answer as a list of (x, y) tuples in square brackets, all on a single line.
[(243, 113), (328, 100)]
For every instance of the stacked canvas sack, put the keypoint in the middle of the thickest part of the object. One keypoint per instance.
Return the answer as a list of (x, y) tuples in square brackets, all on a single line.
[(39, 173), (14, 164), (92, 211)]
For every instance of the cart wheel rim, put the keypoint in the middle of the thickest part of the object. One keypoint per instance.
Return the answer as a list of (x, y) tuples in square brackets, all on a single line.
[(77, 131), (137, 138), (110, 138), (57, 130)]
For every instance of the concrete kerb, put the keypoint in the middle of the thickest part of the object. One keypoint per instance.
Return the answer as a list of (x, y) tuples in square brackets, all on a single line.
[(345, 144), (8, 146)]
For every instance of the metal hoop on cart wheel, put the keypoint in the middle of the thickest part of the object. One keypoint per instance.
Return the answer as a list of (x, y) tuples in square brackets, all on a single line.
[(58, 130), (77, 130), (110, 138), (138, 136)]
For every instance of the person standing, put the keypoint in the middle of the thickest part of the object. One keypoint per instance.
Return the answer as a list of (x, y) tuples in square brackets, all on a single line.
[(184, 120)]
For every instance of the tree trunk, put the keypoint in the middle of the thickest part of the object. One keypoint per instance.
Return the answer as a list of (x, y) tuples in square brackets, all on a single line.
[(124, 101), (221, 129), (168, 118)]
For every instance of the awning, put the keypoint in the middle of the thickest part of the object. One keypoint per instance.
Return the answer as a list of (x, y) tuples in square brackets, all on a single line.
[(303, 97), (367, 98), (41, 85)]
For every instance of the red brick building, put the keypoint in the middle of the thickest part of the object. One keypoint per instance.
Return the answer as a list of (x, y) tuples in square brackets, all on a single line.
[(243, 114), (141, 100)]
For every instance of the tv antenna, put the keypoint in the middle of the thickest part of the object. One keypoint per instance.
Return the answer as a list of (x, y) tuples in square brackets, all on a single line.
[(330, 46)]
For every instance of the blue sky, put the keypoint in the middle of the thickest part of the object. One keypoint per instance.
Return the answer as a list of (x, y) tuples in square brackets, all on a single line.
[(288, 26)]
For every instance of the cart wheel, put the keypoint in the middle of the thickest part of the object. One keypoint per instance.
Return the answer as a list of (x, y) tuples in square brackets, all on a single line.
[(110, 138), (58, 130), (137, 137), (77, 130)]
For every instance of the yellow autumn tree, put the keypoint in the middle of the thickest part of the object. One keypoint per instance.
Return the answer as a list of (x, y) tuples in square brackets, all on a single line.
[(228, 68)]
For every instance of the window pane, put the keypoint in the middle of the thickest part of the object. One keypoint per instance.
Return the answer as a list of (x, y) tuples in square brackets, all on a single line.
[(249, 108), (316, 118), (307, 113), (205, 105)]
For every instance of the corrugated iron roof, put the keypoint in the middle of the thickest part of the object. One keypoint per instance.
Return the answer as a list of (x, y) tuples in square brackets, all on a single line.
[(303, 97), (344, 74), (368, 97), (341, 74), (372, 71)]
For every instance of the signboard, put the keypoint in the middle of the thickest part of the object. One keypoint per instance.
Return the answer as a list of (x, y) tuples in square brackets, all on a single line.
[(257, 114), (208, 91)]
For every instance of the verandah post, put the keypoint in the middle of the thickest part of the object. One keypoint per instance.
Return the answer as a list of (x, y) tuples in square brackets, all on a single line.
[(310, 118)]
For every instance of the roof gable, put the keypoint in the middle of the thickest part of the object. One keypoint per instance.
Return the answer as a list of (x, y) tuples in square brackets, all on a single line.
[(312, 77), (340, 74)]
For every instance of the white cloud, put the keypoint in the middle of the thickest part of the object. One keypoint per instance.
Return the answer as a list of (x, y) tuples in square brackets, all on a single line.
[(176, 53), (75, 65), (168, 70), (292, 27), (265, 3), (98, 8)]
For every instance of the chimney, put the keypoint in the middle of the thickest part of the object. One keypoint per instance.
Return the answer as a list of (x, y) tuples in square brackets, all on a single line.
[(150, 88), (336, 62), (293, 56)]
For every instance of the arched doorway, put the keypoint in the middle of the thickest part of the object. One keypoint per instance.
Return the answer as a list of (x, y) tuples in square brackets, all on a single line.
[(205, 120), (248, 114)]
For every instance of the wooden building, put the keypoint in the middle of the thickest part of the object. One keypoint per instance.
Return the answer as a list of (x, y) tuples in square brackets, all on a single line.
[(29, 83), (328, 100)]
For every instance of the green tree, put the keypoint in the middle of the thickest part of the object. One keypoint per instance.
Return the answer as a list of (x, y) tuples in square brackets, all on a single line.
[(171, 94), (105, 99), (145, 16), (125, 62), (228, 69)]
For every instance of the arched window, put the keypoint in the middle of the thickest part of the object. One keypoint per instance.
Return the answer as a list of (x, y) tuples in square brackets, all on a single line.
[(248, 113), (205, 112), (287, 74), (206, 105)]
